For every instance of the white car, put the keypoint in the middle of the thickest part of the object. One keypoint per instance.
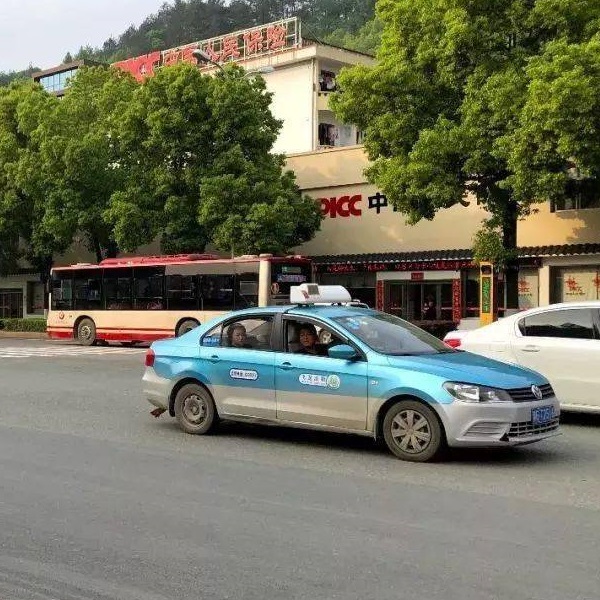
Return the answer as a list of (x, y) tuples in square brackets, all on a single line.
[(560, 341)]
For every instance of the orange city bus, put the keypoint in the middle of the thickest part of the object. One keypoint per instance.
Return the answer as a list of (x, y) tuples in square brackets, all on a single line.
[(146, 298)]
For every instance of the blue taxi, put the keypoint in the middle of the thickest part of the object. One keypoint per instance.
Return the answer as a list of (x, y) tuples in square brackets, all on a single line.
[(322, 363)]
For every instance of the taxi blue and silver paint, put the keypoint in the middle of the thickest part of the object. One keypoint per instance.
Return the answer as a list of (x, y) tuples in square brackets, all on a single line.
[(379, 376)]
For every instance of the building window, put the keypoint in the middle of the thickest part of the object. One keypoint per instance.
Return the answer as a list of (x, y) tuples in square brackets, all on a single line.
[(581, 194), (328, 134), (327, 82), (11, 303), (529, 296), (35, 298), (575, 284), (57, 82)]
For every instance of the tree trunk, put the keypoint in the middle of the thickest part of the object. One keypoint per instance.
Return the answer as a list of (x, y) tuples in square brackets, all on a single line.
[(97, 249), (509, 240), (111, 249), (44, 265)]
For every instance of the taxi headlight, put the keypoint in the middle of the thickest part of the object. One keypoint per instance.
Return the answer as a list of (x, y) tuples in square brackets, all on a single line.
[(466, 392)]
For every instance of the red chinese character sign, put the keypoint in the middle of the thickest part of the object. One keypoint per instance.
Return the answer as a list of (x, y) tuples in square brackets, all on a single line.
[(140, 66), (253, 42), (240, 45), (456, 300), (380, 295)]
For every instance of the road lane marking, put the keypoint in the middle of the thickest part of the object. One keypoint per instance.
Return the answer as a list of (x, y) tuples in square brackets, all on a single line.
[(69, 351)]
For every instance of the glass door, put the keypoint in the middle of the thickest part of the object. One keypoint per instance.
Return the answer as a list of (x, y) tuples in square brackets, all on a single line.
[(395, 299), (11, 304), (420, 301)]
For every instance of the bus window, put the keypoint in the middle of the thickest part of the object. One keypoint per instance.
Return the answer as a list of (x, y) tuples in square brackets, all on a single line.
[(87, 290), (217, 292), (148, 285), (246, 285), (182, 292), (117, 288), (62, 290)]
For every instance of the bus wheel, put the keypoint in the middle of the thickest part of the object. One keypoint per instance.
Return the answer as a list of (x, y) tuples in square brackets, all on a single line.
[(86, 332), (186, 326)]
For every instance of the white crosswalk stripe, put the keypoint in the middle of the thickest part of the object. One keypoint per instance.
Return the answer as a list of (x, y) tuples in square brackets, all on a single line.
[(57, 351)]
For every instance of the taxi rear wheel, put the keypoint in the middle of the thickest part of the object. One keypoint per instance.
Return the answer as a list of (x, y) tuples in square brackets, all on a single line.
[(195, 409), (412, 431)]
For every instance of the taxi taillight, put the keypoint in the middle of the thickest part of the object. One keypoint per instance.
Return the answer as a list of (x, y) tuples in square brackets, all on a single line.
[(453, 342), (150, 356)]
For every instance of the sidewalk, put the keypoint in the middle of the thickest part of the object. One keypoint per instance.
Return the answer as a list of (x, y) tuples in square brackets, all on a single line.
[(23, 335)]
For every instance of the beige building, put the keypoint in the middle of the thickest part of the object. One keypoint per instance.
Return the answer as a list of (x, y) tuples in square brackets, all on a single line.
[(363, 244), (366, 246)]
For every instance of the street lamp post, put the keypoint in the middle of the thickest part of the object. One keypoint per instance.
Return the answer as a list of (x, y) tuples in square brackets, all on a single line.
[(203, 57)]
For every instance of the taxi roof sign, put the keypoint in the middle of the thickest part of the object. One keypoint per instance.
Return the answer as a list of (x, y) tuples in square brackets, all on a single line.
[(312, 293)]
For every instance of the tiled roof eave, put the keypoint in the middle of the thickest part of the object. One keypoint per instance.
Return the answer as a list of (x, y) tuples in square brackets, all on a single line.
[(464, 254)]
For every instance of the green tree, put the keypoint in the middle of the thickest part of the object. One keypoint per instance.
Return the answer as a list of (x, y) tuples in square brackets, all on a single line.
[(327, 16), (23, 107), (79, 164), (198, 152), (366, 39), (471, 97)]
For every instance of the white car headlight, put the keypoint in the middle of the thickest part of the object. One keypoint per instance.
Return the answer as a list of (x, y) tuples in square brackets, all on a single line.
[(466, 392)]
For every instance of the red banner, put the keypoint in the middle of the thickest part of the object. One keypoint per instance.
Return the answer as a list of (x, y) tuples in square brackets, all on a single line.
[(380, 295), (456, 300)]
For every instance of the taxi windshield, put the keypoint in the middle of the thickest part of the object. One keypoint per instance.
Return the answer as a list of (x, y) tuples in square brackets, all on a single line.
[(392, 336)]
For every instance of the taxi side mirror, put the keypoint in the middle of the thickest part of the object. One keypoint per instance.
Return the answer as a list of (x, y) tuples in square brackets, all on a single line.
[(343, 352)]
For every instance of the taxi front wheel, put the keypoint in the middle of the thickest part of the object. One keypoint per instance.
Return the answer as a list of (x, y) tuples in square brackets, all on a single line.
[(195, 409), (412, 431)]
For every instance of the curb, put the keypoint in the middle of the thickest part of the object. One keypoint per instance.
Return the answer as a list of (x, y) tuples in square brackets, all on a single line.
[(23, 335)]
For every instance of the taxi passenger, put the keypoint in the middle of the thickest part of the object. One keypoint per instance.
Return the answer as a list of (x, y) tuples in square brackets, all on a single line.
[(308, 341), (236, 336)]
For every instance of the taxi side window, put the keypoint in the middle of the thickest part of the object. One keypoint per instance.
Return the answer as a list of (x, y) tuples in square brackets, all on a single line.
[(253, 333), (302, 337)]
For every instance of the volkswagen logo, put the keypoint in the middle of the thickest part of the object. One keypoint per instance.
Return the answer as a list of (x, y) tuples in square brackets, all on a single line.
[(537, 392)]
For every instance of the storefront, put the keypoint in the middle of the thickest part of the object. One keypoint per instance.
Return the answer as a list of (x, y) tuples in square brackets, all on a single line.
[(425, 272), (426, 286), (21, 296)]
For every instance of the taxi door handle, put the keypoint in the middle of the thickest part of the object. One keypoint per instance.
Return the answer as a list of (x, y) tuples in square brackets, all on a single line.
[(530, 349), (286, 366), (214, 358)]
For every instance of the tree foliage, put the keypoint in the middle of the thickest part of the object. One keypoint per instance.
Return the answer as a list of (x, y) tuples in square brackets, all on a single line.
[(366, 39), (495, 97), (197, 151), (23, 106), (79, 161), (185, 158)]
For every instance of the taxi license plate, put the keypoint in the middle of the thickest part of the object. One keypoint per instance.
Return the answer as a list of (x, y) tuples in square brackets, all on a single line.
[(542, 415)]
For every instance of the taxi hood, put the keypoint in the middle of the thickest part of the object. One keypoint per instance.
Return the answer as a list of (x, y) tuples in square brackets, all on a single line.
[(464, 367)]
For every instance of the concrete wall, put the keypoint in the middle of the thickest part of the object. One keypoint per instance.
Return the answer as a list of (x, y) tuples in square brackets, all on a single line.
[(293, 103), (338, 173)]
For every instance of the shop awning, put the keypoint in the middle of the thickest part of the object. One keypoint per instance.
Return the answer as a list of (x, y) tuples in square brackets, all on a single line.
[(437, 259)]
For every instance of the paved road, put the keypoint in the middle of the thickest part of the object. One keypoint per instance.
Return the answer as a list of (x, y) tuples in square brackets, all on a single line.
[(101, 501)]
